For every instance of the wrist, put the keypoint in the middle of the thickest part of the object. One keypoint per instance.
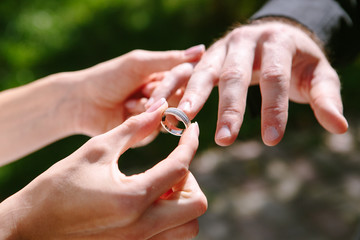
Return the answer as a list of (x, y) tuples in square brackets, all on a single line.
[(59, 93), (35, 115), (68, 107), (9, 215)]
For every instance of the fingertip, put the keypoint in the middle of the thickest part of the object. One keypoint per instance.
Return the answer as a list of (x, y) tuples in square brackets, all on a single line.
[(192, 131), (224, 137), (344, 126), (333, 122), (339, 125), (330, 116), (224, 142), (271, 136), (191, 137), (195, 128), (194, 53)]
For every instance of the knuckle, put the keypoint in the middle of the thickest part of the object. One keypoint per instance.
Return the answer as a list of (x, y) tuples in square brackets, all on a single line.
[(275, 110), (183, 68), (274, 75), (97, 148), (136, 54), (123, 204), (276, 32), (278, 39), (181, 168), (208, 70), (165, 92), (132, 122), (180, 162), (232, 112), (240, 33), (233, 74), (129, 125), (167, 82)]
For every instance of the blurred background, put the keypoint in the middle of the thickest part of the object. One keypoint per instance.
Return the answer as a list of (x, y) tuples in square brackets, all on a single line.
[(307, 187)]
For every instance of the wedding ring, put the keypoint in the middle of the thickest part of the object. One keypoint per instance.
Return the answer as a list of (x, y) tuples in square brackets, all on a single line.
[(172, 118)]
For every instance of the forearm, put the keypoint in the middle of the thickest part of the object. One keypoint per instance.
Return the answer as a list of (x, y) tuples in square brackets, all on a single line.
[(34, 115)]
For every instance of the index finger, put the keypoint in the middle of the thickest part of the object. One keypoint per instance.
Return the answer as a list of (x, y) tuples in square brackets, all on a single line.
[(204, 78), (156, 61), (173, 80), (173, 169)]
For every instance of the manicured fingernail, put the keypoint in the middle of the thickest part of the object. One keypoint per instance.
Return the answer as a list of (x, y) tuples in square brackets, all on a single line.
[(271, 134), (194, 51), (224, 132), (149, 102), (156, 105), (185, 106)]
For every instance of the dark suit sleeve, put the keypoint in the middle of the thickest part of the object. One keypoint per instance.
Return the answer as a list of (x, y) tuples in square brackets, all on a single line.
[(334, 23)]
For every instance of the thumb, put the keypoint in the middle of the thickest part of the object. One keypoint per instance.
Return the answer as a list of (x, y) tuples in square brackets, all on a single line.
[(325, 99), (165, 60), (136, 128)]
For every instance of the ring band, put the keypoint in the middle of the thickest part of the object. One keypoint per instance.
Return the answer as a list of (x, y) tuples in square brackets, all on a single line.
[(180, 116)]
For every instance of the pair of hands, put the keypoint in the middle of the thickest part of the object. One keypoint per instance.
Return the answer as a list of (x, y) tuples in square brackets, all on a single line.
[(85, 195)]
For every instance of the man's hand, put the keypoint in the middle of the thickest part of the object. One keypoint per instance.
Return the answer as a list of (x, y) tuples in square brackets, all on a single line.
[(287, 64)]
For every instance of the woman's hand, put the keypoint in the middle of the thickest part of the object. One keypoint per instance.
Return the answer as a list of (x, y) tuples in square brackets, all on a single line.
[(91, 101), (85, 196), (104, 89)]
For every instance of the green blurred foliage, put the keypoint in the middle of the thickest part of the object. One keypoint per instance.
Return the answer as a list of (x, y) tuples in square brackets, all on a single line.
[(42, 37)]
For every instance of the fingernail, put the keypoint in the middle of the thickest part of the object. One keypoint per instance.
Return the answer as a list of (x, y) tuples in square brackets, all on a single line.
[(149, 102), (196, 126), (224, 132), (156, 105), (194, 51), (185, 106), (271, 134), (130, 104)]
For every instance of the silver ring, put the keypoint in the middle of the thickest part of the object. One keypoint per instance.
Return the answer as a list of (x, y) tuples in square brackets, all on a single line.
[(170, 125)]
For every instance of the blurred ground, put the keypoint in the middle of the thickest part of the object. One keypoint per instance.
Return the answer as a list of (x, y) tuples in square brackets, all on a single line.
[(297, 190), (307, 187)]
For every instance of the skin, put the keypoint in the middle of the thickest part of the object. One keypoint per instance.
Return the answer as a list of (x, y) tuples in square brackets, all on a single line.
[(284, 60), (90, 101), (85, 196)]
